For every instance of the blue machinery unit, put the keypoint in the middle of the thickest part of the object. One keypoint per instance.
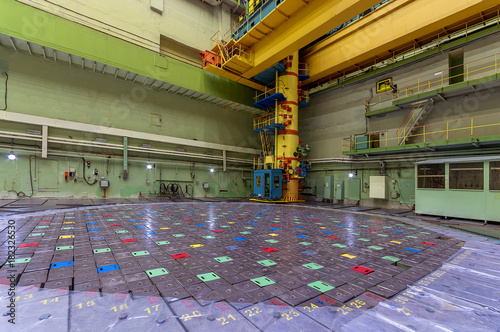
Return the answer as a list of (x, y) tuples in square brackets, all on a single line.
[(267, 183)]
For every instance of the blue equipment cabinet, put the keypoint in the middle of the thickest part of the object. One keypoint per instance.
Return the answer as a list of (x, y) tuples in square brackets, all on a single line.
[(267, 183)]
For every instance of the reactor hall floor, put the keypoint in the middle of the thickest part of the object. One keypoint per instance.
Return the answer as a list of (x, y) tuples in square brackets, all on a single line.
[(234, 266)]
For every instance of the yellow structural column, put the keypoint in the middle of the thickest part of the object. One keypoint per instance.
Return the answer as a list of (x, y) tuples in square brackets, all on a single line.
[(287, 140)]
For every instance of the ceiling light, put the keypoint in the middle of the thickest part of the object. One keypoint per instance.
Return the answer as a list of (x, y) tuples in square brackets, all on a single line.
[(12, 156), (212, 170), (149, 166)]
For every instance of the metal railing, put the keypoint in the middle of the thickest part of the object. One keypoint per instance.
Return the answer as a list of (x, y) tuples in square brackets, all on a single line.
[(460, 30), (270, 89), (436, 80), (229, 49), (444, 131), (265, 120), (258, 163)]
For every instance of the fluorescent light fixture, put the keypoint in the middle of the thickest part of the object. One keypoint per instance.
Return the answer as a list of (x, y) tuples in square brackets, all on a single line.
[(180, 150), (209, 153), (33, 132), (146, 145), (101, 140), (11, 156), (149, 166), (212, 170)]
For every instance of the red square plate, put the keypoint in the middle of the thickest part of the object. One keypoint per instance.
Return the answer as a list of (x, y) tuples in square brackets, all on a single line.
[(429, 243), (179, 256), (24, 245), (362, 269), (129, 240), (270, 249)]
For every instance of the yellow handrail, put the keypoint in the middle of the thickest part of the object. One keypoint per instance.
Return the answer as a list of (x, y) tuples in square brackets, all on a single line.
[(463, 128), (426, 83)]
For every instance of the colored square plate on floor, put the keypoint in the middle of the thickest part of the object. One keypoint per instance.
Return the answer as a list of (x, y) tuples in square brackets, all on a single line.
[(348, 256), (64, 248), (156, 272), (412, 250), (392, 259), (149, 233), (107, 268), (375, 247), (160, 243), (267, 262), (196, 245), (233, 247), (66, 236), (112, 225), (129, 240), (429, 243), (262, 281), (179, 256), (61, 264), (321, 286), (305, 243), (332, 237), (121, 232), (208, 237), (178, 235), (302, 236), (223, 259), (362, 269), (24, 245), (339, 245), (98, 251), (269, 250), (239, 239), (21, 260), (313, 266), (272, 241), (140, 253), (37, 234), (97, 238), (208, 276), (95, 230)]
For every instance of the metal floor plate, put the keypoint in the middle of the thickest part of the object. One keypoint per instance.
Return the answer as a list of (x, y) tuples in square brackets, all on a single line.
[(242, 266)]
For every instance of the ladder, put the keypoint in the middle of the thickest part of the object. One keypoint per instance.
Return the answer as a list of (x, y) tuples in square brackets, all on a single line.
[(266, 143), (415, 117)]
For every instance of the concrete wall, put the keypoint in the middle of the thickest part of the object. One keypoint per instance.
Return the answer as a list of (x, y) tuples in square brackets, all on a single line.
[(190, 22), (57, 90)]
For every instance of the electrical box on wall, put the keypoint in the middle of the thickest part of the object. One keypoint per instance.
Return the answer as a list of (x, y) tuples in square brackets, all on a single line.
[(328, 187), (354, 189), (104, 184), (339, 190), (206, 185), (377, 187)]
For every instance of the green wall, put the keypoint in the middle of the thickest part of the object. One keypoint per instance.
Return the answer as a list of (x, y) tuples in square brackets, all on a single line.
[(48, 177), (401, 172)]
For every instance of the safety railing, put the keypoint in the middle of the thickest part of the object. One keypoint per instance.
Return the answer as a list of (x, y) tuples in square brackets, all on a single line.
[(242, 51), (270, 89), (253, 13), (305, 98), (259, 163), (406, 125), (444, 131), (472, 70), (265, 120), (463, 29)]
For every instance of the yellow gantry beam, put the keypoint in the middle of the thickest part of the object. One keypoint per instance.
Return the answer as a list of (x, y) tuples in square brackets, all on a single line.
[(295, 23), (393, 25)]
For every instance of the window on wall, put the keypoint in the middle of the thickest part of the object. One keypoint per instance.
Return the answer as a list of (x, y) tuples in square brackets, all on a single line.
[(467, 176), (431, 176), (494, 175)]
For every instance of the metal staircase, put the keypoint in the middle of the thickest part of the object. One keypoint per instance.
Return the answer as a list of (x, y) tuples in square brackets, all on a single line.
[(413, 119), (266, 143)]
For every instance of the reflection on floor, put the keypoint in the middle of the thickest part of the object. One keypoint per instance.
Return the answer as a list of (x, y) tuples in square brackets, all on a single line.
[(231, 265)]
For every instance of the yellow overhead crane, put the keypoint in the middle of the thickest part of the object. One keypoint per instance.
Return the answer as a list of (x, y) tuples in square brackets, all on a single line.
[(395, 24), (290, 26), (294, 24)]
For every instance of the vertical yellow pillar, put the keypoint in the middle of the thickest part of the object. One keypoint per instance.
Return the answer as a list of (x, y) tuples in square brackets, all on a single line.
[(287, 140)]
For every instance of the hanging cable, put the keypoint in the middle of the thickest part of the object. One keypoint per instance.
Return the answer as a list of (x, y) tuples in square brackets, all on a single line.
[(84, 177)]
